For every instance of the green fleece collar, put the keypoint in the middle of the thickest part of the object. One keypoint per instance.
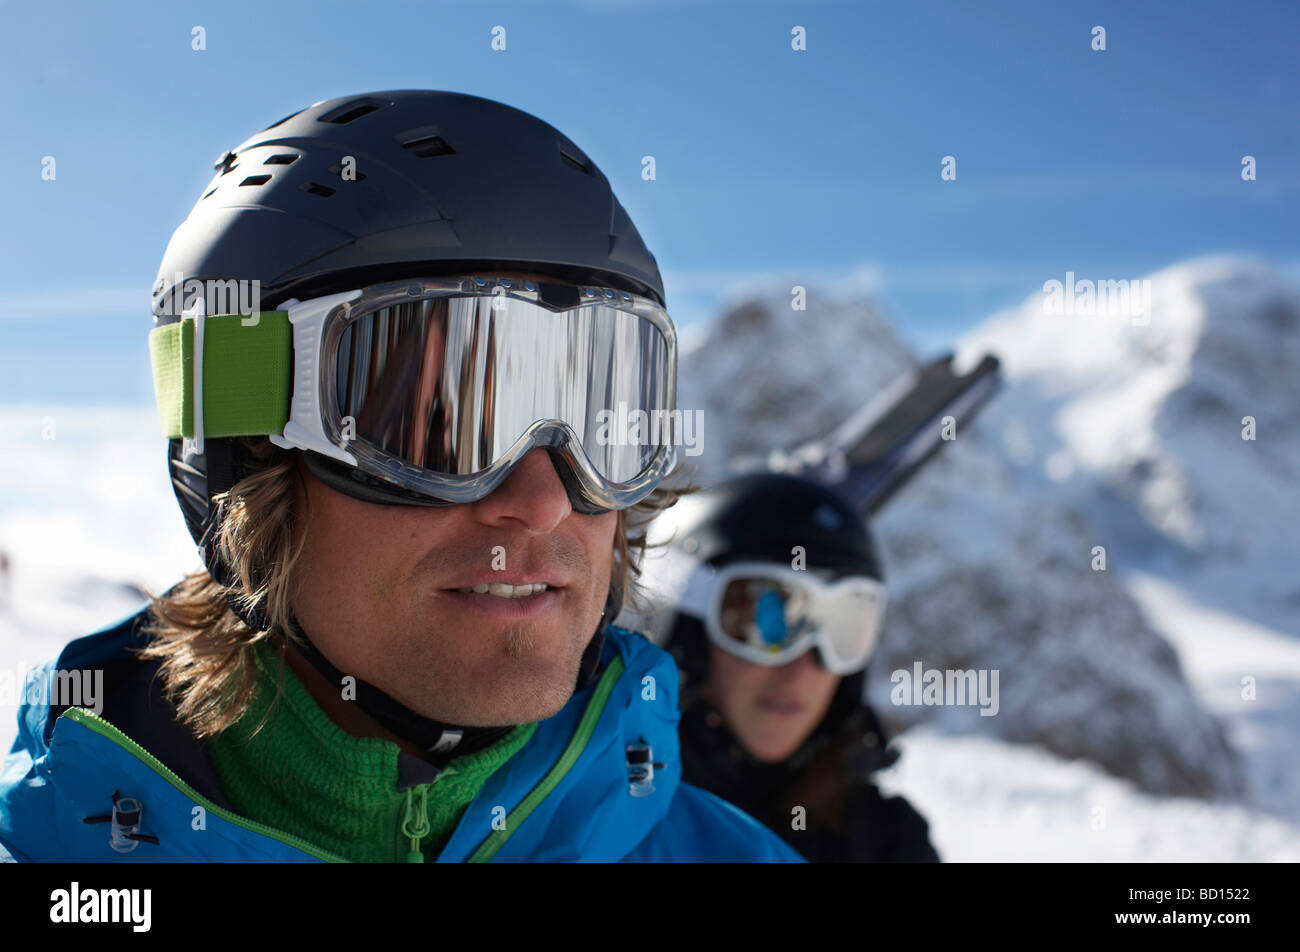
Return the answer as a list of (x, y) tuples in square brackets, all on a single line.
[(303, 774)]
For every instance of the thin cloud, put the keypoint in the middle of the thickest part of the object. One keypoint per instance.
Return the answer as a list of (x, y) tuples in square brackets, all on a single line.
[(67, 303), (866, 277)]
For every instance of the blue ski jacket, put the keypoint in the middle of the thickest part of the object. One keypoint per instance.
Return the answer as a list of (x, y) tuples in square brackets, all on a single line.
[(568, 795)]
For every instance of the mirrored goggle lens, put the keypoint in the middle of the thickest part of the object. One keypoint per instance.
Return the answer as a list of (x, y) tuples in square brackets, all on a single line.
[(775, 615), (450, 384)]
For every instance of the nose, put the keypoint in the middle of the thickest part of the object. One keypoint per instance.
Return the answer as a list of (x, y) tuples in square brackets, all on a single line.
[(531, 496)]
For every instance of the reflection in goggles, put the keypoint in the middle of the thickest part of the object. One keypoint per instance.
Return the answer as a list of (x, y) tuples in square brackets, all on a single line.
[(765, 613), (774, 615), (451, 383)]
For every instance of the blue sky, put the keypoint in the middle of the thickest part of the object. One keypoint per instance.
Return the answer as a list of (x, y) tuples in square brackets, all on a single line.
[(814, 165)]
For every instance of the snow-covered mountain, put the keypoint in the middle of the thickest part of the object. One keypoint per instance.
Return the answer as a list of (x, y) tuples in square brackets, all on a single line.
[(1142, 423), (1116, 430)]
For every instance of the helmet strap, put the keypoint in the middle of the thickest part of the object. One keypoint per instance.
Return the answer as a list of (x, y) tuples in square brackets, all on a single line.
[(439, 740)]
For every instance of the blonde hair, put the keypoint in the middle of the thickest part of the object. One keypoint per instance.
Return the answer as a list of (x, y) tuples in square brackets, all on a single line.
[(206, 649)]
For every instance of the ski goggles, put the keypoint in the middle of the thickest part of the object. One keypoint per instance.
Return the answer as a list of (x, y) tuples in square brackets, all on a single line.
[(439, 387), (771, 614)]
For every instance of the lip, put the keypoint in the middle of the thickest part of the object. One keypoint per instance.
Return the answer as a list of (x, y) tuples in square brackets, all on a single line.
[(783, 707), (495, 606), (525, 577)]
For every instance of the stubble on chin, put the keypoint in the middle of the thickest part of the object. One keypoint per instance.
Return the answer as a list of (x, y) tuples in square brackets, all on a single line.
[(520, 641)]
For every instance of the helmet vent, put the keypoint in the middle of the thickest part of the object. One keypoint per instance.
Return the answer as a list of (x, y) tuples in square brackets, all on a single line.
[(256, 180), (281, 159), (426, 146), (576, 162), (208, 192), (354, 110), (314, 188)]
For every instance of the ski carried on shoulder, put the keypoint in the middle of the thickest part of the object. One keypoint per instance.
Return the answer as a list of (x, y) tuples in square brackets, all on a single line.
[(880, 448)]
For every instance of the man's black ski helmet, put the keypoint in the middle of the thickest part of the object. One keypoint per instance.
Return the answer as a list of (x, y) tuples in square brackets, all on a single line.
[(369, 188), (758, 517)]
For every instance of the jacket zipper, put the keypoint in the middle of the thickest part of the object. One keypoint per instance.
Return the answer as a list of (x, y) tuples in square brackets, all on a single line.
[(415, 824), (100, 726)]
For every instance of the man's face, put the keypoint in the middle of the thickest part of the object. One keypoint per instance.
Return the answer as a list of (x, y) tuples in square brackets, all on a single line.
[(379, 589)]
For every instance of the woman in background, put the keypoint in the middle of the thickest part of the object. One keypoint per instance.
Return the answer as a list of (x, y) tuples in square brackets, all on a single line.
[(775, 600)]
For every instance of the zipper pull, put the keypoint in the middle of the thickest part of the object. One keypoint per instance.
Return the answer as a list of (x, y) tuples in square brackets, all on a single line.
[(415, 825)]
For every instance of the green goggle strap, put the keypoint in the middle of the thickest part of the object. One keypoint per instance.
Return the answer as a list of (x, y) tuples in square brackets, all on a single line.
[(247, 374)]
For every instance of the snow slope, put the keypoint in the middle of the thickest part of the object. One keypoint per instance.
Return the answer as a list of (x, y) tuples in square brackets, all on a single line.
[(993, 802), (88, 521)]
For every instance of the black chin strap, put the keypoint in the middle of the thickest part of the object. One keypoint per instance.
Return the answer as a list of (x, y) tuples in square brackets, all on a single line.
[(440, 741)]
